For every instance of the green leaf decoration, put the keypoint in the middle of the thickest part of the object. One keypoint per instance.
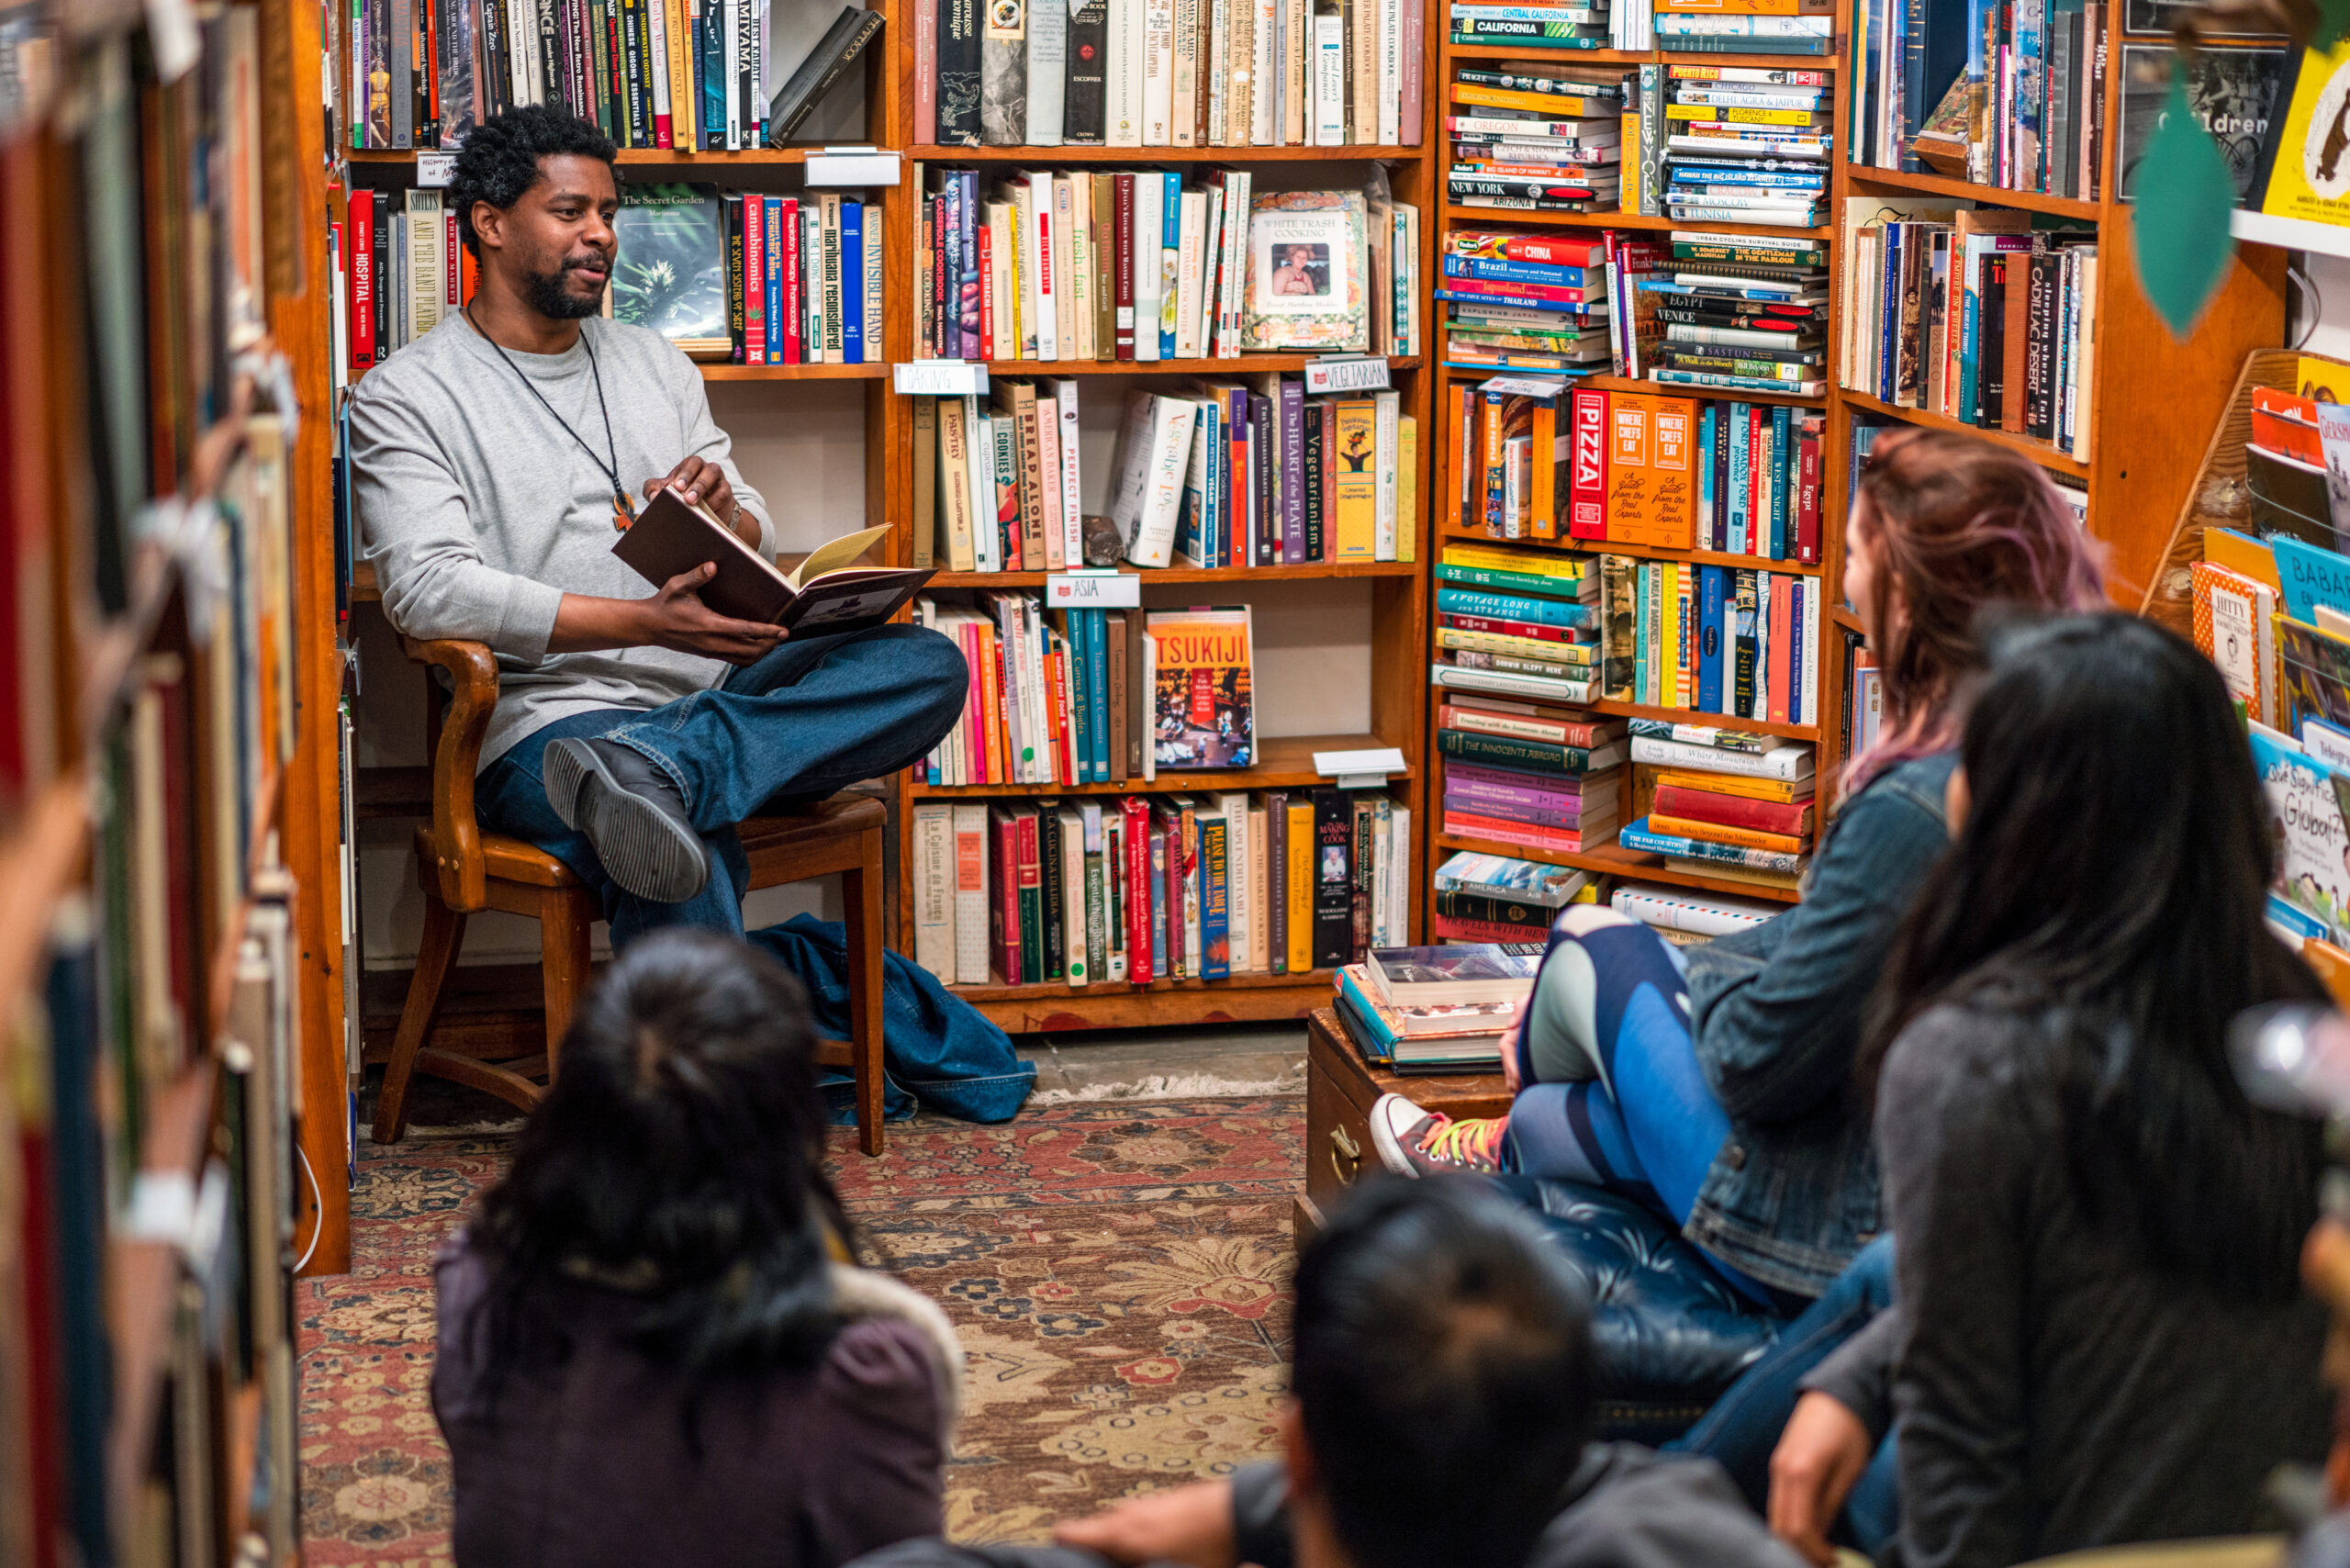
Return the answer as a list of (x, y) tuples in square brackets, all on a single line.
[(2332, 20), (2183, 194)]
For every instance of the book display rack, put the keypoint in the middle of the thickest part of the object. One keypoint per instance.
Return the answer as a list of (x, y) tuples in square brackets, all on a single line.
[(2127, 466), (169, 917)]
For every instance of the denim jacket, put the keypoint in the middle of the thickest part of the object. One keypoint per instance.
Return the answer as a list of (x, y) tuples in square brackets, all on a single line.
[(1776, 1011)]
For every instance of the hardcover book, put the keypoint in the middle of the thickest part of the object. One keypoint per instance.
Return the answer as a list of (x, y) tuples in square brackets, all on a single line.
[(1203, 709), (1307, 283), (824, 592)]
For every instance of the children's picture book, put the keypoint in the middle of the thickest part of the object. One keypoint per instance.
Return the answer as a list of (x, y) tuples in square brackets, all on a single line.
[(2305, 822), (1202, 704), (670, 274), (2314, 666), (2233, 93), (2305, 159), (1306, 286), (826, 593)]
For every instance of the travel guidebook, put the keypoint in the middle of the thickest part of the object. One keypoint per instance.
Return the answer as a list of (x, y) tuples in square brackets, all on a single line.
[(1202, 706)]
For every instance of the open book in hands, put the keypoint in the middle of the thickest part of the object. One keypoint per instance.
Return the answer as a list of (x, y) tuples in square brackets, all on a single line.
[(824, 594)]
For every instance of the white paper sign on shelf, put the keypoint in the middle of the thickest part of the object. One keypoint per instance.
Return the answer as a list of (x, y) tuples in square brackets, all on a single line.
[(1523, 386), (434, 168), (940, 378), (1364, 769), (1101, 589), (1345, 374), (854, 167)]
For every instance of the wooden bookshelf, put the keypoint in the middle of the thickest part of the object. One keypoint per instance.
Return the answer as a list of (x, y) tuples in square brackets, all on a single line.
[(1398, 672), (114, 677)]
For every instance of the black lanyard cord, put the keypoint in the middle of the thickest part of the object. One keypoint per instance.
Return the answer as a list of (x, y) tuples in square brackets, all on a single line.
[(612, 470)]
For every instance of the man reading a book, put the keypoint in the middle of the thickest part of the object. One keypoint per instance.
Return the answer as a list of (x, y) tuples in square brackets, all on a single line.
[(494, 458)]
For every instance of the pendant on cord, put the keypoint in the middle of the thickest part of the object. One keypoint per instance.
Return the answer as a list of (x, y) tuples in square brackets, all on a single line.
[(622, 512)]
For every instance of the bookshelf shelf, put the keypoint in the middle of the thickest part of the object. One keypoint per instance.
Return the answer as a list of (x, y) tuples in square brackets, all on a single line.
[(1288, 765), (1844, 617), (1615, 860), (1645, 552), (1989, 196), (1054, 990), (2040, 452), (1066, 154), (717, 371), (1640, 56), (1243, 364), (1248, 998), (1325, 571), (1512, 217), (684, 159)]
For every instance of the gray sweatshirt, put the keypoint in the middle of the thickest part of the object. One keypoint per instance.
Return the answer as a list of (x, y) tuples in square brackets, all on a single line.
[(480, 513), (2054, 1392)]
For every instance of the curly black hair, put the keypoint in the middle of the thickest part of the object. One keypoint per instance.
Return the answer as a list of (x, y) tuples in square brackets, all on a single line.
[(500, 159)]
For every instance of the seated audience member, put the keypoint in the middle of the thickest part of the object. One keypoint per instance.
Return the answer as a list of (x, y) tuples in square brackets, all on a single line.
[(493, 460), (1716, 1085), (2099, 1335), (650, 1351), (1442, 1395)]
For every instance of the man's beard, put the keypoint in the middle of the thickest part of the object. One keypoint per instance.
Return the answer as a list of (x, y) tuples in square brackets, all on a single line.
[(548, 296)]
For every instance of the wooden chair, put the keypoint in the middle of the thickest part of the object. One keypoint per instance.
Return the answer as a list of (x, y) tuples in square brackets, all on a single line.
[(462, 869)]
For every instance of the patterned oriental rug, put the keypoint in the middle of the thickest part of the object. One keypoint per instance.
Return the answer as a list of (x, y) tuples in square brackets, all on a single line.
[(1118, 1271)]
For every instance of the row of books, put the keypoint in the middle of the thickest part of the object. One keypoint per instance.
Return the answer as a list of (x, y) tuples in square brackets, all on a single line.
[(1169, 73), (1997, 91), (1139, 889), (1442, 1008), (1516, 624), (1729, 144), (751, 278), (1136, 264), (1740, 642), (1745, 27), (1863, 694), (1747, 777), (1637, 468), (1093, 696), (655, 74), (1222, 475), (1529, 774), (1976, 314)]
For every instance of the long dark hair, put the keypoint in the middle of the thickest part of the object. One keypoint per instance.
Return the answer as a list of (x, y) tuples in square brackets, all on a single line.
[(677, 1162), (2108, 888)]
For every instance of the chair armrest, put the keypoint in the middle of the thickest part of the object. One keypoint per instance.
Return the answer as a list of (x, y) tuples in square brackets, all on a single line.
[(456, 835)]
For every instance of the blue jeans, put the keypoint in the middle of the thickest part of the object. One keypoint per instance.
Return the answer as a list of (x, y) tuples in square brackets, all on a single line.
[(814, 716), (1740, 1432)]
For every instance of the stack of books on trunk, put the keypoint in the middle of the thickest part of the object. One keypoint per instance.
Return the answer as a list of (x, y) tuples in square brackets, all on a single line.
[(1443, 1009), (1723, 802), (1528, 774)]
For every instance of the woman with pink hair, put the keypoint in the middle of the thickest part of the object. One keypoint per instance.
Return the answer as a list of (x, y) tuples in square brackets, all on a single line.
[(1713, 1083)]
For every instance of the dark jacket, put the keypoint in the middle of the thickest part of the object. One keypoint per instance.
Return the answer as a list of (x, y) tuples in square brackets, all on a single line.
[(1792, 1192), (1626, 1508), (2054, 1392), (607, 1458)]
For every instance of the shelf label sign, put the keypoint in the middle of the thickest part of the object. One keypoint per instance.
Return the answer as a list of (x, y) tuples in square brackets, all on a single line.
[(854, 166), (434, 168), (1364, 769), (940, 378), (1094, 590), (1345, 374)]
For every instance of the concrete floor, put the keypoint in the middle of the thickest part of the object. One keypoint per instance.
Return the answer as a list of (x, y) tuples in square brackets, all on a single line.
[(1135, 1063)]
